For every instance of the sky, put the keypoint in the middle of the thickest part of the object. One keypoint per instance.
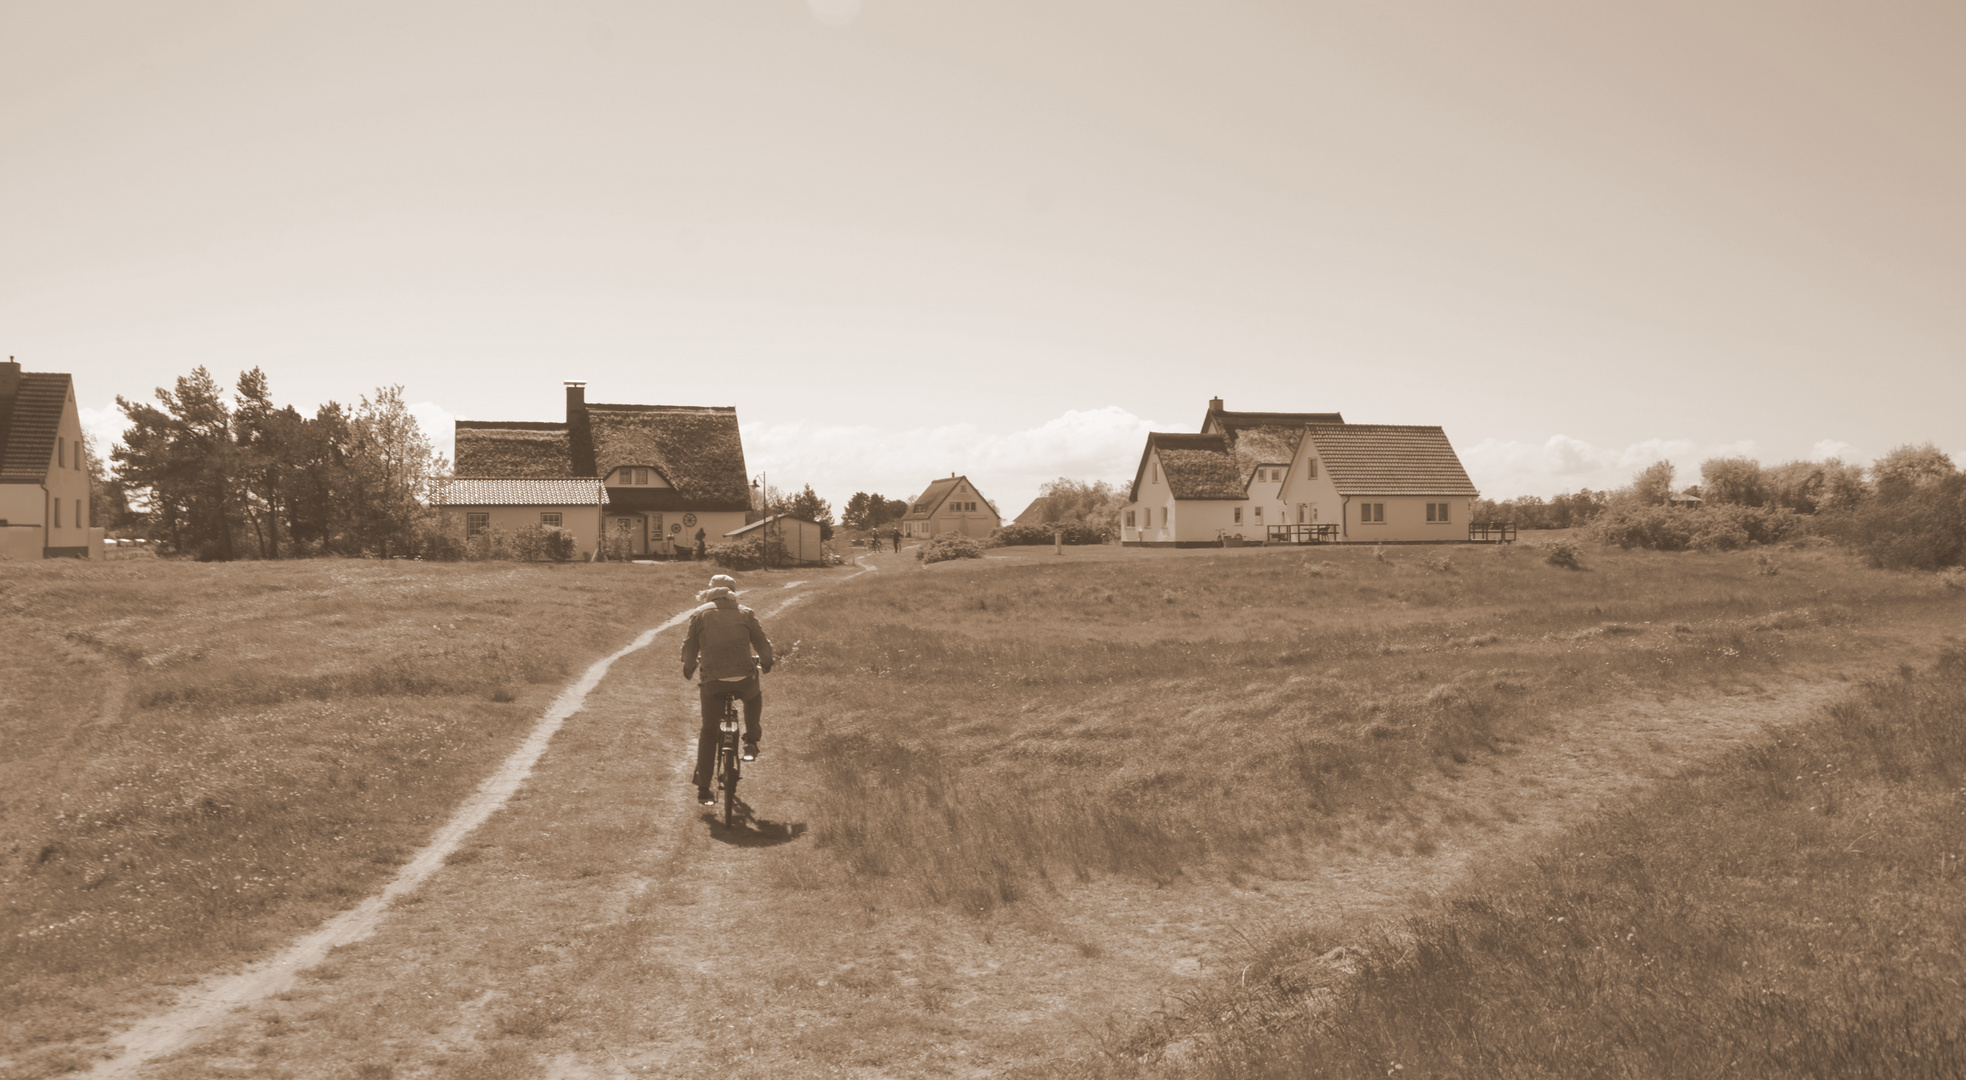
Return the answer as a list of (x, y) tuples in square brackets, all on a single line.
[(907, 238)]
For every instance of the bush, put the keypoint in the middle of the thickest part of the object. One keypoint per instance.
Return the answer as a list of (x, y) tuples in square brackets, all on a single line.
[(438, 537), (489, 544), (1920, 529), (949, 546), (1561, 552), (1075, 533), (536, 543), (751, 552), (1714, 527)]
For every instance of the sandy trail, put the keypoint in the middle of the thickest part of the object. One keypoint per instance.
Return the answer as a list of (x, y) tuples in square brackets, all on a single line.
[(201, 1007)]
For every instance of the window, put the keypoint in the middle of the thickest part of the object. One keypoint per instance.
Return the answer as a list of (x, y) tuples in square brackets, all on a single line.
[(1310, 468), (1129, 520), (1156, 470), (57, 513), (1258, 514), (475, 524), (641, 476), (1238, 511), (1303, 514), (1369, 513), (78, 514), (1437, 512), (61, 451), (550, 517)]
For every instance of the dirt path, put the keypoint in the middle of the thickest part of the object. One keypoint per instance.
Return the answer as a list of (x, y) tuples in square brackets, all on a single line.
[(205, 1005), (602, 926)]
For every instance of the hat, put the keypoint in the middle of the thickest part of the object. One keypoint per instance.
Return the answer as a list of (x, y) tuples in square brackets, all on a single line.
[(720, 586)]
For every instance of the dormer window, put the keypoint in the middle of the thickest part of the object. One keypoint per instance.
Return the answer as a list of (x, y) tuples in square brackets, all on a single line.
[(1310, 468), (631, 476)]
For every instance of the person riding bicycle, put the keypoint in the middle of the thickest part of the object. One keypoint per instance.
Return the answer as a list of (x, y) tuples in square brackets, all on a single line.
[(722, 634)]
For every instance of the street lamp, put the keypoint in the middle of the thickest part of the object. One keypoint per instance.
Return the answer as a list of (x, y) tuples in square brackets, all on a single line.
[(763, 485)]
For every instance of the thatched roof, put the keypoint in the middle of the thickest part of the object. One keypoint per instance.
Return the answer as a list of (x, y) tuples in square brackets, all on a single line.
[(513, 450), (1390, 459), (1196, 466), (697, 449)]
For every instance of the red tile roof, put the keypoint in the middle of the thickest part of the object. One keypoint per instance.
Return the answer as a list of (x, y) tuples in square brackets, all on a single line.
[(1390, 459), (487, 491), (28, 428)]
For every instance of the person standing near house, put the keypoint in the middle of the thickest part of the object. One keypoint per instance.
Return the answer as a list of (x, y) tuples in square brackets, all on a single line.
[(701, 546), (722, 637), (894, 534)]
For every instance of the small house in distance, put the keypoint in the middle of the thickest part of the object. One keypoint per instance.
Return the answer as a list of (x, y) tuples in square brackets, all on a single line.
[(44, 479), (667, 471), (1296, 478), (952, 505), (800, 536)]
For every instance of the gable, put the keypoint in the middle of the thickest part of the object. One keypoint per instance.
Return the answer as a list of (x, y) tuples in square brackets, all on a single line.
[(698, 450), (33, 420), (1192, 466)]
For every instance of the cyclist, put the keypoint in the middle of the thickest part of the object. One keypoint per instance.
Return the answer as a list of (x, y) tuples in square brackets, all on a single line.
[(722, 635)]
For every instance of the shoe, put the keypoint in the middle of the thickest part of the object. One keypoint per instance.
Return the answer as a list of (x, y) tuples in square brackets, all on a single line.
[(703, 796), (750, 752)]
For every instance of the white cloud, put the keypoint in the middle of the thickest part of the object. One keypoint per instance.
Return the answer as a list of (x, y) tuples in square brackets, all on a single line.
[(1506, 468), (1089, 444), (439, 425), (105, 425)]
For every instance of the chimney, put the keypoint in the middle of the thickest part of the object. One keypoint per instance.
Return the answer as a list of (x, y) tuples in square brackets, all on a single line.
[(576, 401), (580, 434), (1215, 404), (9, 386)]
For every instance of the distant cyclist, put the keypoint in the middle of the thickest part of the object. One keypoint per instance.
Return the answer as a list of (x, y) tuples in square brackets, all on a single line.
[(722, 635)]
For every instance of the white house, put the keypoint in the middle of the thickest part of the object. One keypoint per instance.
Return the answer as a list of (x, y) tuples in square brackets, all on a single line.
[(44, 474), (1296, 478), (952, 505)]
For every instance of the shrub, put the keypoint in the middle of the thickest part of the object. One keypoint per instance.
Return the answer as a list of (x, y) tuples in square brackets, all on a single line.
[(1919, 529), (534, 543), (1075, 533), (1561, 552), (489, 544), (438, 537), (949, 546), (751, 553)]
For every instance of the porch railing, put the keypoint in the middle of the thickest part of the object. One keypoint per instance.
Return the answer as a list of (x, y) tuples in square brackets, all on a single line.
[(1492, 532), (1320, 533)]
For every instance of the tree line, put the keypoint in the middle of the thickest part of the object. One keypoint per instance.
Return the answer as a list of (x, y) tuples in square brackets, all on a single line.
[(1908, 509), (249, 478)]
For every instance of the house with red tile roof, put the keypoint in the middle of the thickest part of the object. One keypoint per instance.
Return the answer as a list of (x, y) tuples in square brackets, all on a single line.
[(663, 473), (1274, 477), (44, 478)]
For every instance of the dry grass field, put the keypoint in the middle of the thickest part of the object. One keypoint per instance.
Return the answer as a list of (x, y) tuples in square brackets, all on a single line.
[(1026, 816), (199, 760)]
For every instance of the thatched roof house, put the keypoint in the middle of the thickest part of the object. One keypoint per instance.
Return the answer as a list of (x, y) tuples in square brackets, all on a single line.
[(669, 471)]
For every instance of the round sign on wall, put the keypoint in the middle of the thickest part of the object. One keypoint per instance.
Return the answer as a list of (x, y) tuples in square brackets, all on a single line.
[(675, 528), (689, 519)]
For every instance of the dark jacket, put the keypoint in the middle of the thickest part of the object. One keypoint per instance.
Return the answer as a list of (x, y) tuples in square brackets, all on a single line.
[(722, 634)]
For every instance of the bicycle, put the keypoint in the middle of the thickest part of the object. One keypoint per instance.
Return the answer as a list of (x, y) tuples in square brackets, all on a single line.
[(727, 771)]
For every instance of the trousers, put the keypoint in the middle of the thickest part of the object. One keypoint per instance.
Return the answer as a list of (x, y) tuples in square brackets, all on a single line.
[(712, 694)]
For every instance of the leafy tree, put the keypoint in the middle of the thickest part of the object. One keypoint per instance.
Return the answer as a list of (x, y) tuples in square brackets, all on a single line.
[(109, 507), (1908, 468), (391, 466), (1733, 480), (1652, 486), (269, 459), (1087, 502)]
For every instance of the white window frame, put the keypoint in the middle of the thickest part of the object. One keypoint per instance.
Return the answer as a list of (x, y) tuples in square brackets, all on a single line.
[(550, 518)]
